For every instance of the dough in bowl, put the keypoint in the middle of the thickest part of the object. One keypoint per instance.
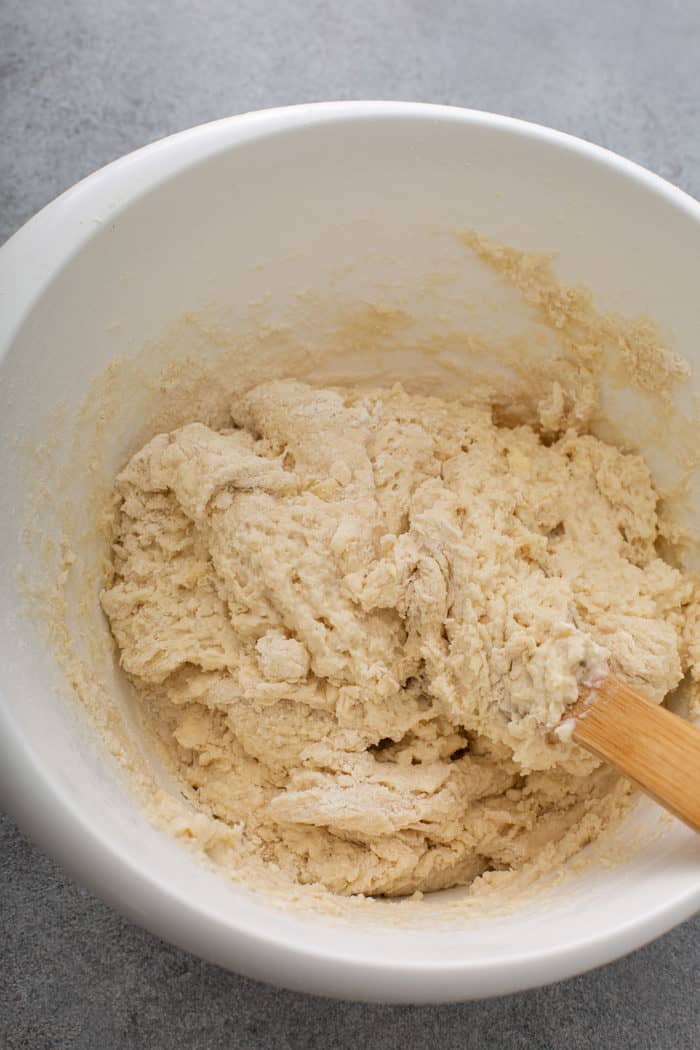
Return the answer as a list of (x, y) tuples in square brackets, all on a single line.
[(354, 618)]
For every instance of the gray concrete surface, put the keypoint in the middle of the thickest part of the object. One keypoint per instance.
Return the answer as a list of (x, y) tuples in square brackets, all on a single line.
[(83, 81)]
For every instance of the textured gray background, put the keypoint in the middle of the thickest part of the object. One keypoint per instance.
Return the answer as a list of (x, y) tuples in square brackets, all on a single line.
[(83, 81)]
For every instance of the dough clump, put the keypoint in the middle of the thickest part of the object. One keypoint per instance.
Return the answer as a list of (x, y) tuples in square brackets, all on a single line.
[(354, 618)]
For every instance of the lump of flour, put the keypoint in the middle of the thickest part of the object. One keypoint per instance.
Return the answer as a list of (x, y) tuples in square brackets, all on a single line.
[(353, 618)]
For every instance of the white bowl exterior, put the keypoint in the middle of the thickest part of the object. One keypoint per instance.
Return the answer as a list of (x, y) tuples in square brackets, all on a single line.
[(271, 203)]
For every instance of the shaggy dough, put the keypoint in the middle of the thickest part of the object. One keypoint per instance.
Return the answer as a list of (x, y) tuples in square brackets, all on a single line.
[(354, 616)]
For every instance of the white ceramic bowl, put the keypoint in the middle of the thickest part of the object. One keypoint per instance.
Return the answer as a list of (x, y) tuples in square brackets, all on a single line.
[(272, 202)]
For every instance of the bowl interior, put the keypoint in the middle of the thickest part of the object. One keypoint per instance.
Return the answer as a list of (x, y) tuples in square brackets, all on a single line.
[(304, 230)]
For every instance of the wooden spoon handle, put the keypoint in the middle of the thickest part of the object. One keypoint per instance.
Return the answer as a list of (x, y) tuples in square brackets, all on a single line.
[(656, 749)]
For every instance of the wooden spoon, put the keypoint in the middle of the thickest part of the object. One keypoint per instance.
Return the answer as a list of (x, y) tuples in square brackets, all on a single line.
[(656, 749)]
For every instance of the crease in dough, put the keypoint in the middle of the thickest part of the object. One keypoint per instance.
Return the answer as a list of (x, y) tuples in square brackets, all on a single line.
[(352, 618)]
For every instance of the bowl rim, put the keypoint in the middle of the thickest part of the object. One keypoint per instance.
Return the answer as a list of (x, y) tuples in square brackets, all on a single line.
[(29, 262)]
